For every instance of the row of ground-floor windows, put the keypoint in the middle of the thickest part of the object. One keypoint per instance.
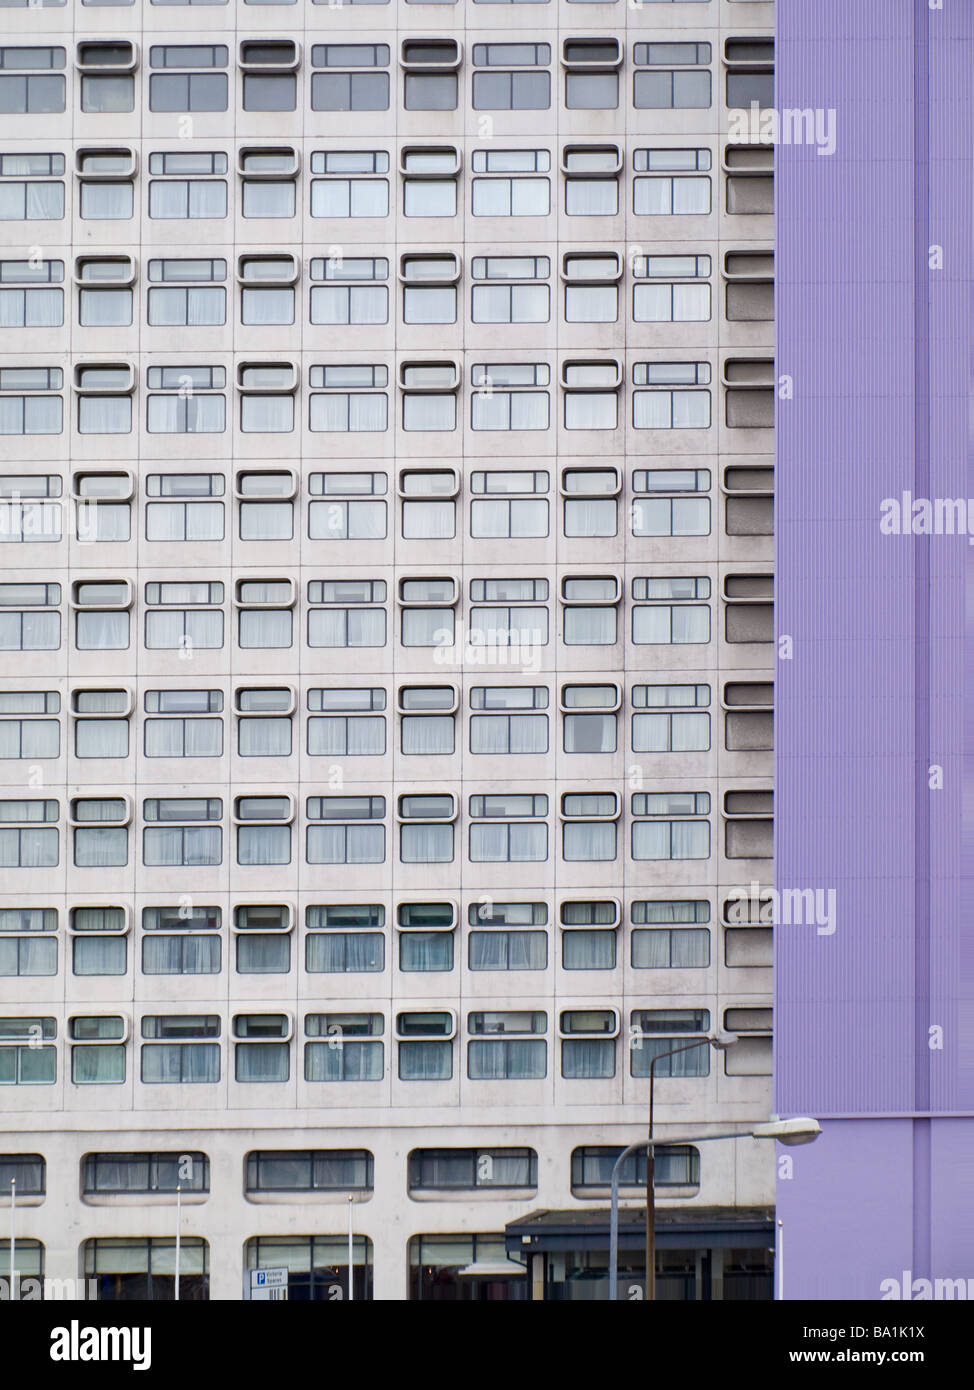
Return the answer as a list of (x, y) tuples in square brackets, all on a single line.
[(447, 1268)]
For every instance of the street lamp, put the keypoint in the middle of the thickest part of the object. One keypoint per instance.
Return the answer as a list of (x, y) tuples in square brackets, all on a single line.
[(800, 1130), (720, 1042)]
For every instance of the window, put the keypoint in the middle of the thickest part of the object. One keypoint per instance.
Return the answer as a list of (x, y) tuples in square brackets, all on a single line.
[(671, 825), (23, 411), (426, 936), (129, 1173), (750, 72), (502, 398), (514, 291), (104, 398), (430, 176), (309, 1170), (671, 183), (589, 604), (100, 832), (350, 1047), (27, 516), (193, 295), (467, 1170), (591, 73), (670, 718), (107, 76), (591, 180), (264, 721), (143, 1268), (101, 724), (352, 506), (508, 829), (349, 402), (676, 1027), (27, 1054), (592, 286), (509, 186), (588, 1044), (425, 1046), (28, 944), (588, 938), (749, 392), (589, 826), (348, 190), (104, 505), (429, 292), (502, 613), (266, 505), (22, 735), (590, 506), (428, 611), (317, 1265), (339, 728), (430, 74), (504, 719), (33, 306), (350, 294), (672, 402), (750, 179), (749, 281), (426, 829), (28, 1171), (345, 939), (673, 75), (426, 719), (187, 186), (258, 1059), (674, 1165), (29, 188), (749, 716), (173, 88), (268, 841), (656, 945), (749, 607), (589, 718), (183, 616), (267, 289), (107, 183), (26, 624), (665, 610), (346, 613), (674, 293), (347, 84), (507, 949), (508, 505), (30, 83), (188, 512), (267, 389), (105, 291), (591, 394), (100, 1060), (167, 842), (264, 617), (428, 504), (510, 77), (349, 830), (516, 1055), (748, 824), (182, 737), (101, 614), (751, 1054), (269, 187), (181, 940), (180, 1052), (269, 74)]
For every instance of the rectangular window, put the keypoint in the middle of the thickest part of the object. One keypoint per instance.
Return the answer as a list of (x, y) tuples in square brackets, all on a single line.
[(338, 409), (342, 939), (504, 721), (426, 1046), (672, 402), (351, 293), (591, 73), (465, 1170), (28, 941), (347, 832), (430, 179), (352, 506), (182, 514), (128, 1173), (670, 718), (309, 1170), (107, 80), (511, 188), (511, 77), (508, 617), (671, 183), (426, 829), (187, 294), (182, 616), (353, 1050), (507, 505), (667, 299), (589, 826), (348, 188), (27, 1054), (346, 613), (166, 842), (181, 1056), (188, 186), (269, 77), (26, 624), (36, 305), (672, 76), (663, 828), (28, 190), (349, 82), (267, 390), (24, 412), (516, 1056), (496, 837), (429, 77), (655, 1032), (670, 615), (173, 88), (30, 81), (502, 398), (510, 289)]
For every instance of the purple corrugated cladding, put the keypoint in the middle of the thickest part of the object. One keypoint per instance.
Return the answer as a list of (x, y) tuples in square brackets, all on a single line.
[(875, 716)]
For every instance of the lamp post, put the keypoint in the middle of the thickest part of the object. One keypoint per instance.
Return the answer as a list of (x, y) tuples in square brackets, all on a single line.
[(800, 1130), (720, 1042)]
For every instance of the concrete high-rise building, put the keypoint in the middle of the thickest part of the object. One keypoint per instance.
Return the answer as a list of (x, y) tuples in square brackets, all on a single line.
[(387, 394)]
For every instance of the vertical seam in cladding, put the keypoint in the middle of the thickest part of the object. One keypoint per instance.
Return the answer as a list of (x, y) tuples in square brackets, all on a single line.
[(921, 657)]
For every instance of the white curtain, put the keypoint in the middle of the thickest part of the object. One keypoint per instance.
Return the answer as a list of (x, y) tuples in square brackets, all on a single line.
[(99, 955), (587, 1058), (265, 627), (266, 306), (590, 840), (266, 521), (268, 198), (100, 847), (590, 410), (104, 415), (588, 950), (345, 952), (427, 844), (590, 626), (263, 844), (45, 201), (107, 202), (97, 1065), (513, 1059), (266, 414), (508, 950), (426, 951), (106, 308), (427, 733), (181, 955), (425, 1061), (268, 1061)]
